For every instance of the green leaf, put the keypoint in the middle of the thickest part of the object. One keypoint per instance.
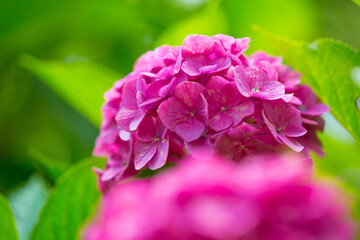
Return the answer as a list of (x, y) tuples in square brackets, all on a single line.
[(7, 223), (82, 84), (26, 203), (357, 2), (210, 21), (342, 162), (70, 204), (52, 168), (328, 66)]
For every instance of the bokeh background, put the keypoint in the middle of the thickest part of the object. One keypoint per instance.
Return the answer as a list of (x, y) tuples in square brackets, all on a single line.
[(51, 51)]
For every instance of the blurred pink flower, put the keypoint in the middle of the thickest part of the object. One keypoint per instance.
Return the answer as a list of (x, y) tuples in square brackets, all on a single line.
[(217, 199)]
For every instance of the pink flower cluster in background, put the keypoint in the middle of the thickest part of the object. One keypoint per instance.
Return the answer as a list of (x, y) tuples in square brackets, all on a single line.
[(205, 94), (217, 199)]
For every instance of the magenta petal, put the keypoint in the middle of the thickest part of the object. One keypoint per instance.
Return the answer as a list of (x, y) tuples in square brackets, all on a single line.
[(172, 111), (294, 131), (134, 123), (271, 90), (241, 81), (270, 125), (294, 100), (317, 109), (220, 63), (201, 111), (220, 121), (124, 118), (287, 97), (124, 135), (291, 143), (193, 65), (150, 101), (190, 130), (240, 111), (270, 70), (309, 121), (161, 155), (112, 172), (200, 145), (168, 89), (147, 129), (197, 44), (144, 151), (129, 95), (189, 92)]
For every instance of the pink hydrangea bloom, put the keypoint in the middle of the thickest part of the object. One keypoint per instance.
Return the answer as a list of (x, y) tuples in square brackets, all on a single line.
[(200, 95), (217, 199)]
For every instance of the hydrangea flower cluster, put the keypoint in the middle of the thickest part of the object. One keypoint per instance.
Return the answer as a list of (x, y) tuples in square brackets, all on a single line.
[(264, 200), (205, 94)]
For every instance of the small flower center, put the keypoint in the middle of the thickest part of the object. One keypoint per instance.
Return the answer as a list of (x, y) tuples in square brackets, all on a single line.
[(279, 129), (255, 89), (302, 108), (192, 114), (223, 109), (156, 139)]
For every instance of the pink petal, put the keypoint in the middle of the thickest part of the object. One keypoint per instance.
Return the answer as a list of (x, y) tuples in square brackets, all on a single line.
[(270, 125), (295, 100), (161, 155), (221, 63), (189, 92), (200, 145), (171, 112), (291, 143), (309, 121), (241, 81), (197, 44), (144, 151), (129, 95), (147, 129), (134, 123), (271, 91), (112, 172), (287, 97), (125, 117), (220, 121), (192, 65), (124, 135), (269, 69), (294, 131), (215, 88), (168, 89), (239, 112), (316, 110), (190, 130), (201, 111)]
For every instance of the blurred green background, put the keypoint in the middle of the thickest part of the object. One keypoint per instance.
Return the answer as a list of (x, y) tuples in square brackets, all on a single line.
[(74, 43)]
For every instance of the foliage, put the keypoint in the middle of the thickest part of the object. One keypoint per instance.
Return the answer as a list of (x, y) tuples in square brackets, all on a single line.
[(70, 203), (81, 83), (7, 223), (26, 203)]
